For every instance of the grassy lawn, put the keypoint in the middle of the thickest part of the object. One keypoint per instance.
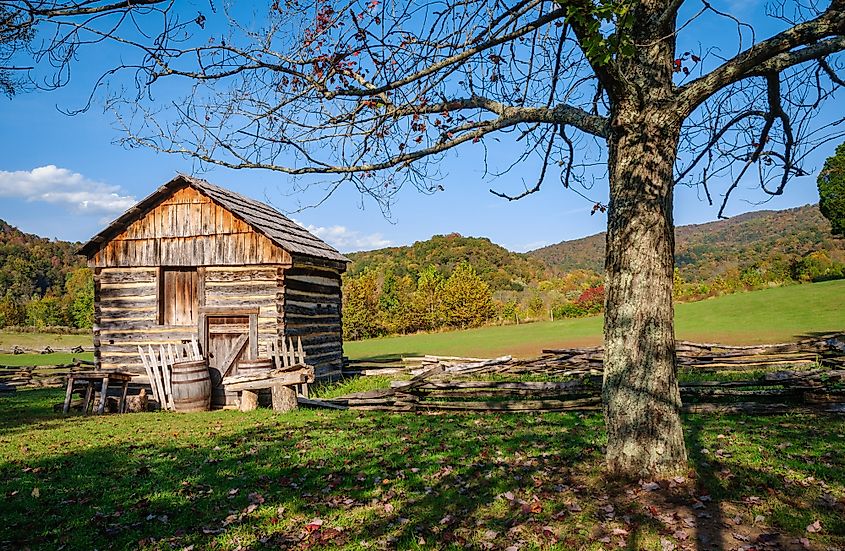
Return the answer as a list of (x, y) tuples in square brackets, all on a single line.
[(352, 480), (38, 341), (771, 315), (43, 359)]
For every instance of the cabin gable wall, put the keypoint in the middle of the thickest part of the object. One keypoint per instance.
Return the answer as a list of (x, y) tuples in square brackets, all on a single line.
[(188, 229)]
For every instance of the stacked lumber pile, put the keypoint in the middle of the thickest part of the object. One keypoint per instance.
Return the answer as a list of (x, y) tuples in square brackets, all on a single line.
[(805, 375), (39, 376)]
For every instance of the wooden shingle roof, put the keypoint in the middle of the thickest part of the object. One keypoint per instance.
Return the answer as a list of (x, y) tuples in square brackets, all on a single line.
[(263, 218)]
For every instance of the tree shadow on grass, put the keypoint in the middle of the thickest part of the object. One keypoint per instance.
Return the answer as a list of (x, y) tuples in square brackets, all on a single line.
[(819, 334), (386, 358), (392, 480)]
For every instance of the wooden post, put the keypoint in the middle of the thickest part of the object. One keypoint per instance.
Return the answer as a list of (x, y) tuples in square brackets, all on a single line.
[(68, 395), (121, 408), (87, 401), (249, 400), (104, 390), (284, 398)]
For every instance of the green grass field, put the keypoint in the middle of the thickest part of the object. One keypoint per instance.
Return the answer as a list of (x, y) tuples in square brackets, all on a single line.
[(39, 340), (771, 315), (371, 480), (374, 480)]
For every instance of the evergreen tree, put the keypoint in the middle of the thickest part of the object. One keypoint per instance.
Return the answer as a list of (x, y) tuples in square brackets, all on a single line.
[(831, 184)]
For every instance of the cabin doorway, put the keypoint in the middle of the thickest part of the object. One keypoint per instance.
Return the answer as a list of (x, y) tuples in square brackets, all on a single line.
[(227, 337)]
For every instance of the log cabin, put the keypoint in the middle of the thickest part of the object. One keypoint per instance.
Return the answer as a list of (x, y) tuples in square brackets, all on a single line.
[(194, 260)]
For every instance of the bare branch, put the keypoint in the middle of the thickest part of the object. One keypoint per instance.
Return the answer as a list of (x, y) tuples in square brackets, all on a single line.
[(775, 51)]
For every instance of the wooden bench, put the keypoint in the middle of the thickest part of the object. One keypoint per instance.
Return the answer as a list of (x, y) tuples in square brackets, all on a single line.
[(281, 383)]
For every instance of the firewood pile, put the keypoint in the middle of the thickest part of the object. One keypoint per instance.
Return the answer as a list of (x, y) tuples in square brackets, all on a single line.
[(39, 376), (805, 375)]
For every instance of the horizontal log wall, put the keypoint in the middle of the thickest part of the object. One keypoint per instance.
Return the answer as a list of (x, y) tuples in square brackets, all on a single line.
[(248, 287), (126, 309), (126, 316), (312, 312)]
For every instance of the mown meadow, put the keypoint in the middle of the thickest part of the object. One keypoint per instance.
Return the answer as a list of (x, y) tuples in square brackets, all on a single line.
[(324, 479), (771, 315), (370, 480)]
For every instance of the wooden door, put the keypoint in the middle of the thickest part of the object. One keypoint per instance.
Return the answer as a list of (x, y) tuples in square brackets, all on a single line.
[(179, 296), (228, 341)]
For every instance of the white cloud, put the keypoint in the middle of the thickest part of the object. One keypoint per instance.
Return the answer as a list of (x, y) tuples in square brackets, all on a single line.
[(60, 186), (531, 246), (346, 240)]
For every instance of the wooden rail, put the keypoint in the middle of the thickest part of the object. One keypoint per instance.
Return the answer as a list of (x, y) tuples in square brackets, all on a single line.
[(804, 375)]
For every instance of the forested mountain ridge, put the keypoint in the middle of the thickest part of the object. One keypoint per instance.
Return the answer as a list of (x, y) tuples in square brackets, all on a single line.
[(500, 268), (32, 265), (43, 282), (706, 251)]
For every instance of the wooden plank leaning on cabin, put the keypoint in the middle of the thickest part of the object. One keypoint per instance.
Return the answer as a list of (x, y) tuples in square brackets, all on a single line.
[(150, 374)]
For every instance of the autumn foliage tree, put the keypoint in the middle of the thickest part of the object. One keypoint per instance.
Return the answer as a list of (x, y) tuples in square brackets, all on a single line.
[(374, 93), (467, 300), (360, 307)]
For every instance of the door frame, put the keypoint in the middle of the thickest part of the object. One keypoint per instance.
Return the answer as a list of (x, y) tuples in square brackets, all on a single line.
[(222, 312)]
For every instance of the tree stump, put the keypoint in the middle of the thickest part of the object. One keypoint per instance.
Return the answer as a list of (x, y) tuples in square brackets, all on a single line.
[(284, 398), (249, 400), (138, 403)]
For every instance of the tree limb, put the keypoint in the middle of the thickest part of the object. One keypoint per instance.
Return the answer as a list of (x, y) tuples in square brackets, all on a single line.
[(775, 51)]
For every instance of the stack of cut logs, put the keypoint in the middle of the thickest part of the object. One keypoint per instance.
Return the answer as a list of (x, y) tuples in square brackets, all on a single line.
[(40, 376), (805, 375)]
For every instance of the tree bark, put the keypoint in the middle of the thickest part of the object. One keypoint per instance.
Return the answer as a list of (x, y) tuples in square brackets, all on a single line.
[(640, 391)]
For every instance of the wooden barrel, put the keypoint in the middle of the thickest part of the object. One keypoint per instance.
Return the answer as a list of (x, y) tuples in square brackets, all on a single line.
[(191, 386), (256, 367), (220, 397)]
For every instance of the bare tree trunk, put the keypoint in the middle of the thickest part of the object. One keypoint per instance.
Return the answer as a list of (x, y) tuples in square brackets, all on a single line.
[(640, 393)]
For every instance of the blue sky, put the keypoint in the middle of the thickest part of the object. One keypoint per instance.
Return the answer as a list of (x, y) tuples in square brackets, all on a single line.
[(65, 177)]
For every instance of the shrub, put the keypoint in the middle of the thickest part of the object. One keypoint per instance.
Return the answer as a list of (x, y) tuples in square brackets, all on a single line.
[(592, 300)]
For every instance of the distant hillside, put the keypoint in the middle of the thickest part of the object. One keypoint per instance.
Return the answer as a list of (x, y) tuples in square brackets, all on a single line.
[(704, 251), (32, 265), (501, 269)]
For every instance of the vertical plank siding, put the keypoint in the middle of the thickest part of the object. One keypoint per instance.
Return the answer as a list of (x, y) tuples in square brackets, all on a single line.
[(188, 229)]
